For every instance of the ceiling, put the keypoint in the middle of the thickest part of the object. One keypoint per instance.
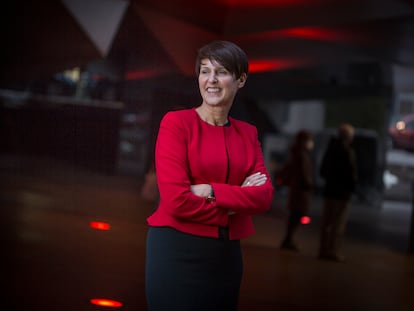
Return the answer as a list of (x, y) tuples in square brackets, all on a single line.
[(155, 37)]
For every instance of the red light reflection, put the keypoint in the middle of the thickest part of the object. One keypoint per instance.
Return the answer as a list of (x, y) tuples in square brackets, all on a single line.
[(305, 220), (313, 33), (307, 33), (256, 66), (103, 302), (98, 225), (142, 74)]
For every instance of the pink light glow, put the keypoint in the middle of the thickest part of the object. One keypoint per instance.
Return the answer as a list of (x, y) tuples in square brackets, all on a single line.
[(305, 220)]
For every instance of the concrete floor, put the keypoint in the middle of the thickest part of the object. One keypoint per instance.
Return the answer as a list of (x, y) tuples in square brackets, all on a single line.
[(54, 260)]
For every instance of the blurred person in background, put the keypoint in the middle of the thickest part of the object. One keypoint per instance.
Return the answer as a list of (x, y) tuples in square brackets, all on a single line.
[(212, 178), (298, 177), (339, 171)]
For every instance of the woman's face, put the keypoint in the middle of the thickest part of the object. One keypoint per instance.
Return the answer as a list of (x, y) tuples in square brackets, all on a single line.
[(218, 86)]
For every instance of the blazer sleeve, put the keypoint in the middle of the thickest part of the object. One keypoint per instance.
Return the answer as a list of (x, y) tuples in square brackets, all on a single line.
[(174, 178), (248, 200)]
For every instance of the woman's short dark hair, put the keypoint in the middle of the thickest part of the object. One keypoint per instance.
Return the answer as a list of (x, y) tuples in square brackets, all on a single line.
[(228, 54)]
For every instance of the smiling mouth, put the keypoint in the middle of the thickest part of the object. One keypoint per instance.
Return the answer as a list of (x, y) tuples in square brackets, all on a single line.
[(213, 90)]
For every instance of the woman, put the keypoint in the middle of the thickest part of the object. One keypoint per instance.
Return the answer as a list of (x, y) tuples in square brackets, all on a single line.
[(300, 183), (212, 179)]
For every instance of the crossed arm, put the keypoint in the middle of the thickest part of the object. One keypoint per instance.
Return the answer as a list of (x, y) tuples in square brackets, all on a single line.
[(204, 190)]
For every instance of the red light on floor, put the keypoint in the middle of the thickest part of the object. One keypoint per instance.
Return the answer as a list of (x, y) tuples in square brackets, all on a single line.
[(305, 220), (103, 302), (98, 225)]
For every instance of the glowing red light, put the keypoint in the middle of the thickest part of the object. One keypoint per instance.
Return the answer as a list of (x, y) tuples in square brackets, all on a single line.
[(305, 220), (103, 302), (313, 33), (307, 33), (256, 66), (98, 225)]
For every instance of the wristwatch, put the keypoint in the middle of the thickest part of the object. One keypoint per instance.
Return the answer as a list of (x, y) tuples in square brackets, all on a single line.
[(211, 198)]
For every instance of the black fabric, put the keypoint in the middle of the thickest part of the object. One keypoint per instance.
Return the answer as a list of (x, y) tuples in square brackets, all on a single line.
[(339, 170), (186, 272)]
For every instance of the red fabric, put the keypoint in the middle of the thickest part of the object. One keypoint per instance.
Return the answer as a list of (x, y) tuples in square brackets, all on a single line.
[(191, 151)]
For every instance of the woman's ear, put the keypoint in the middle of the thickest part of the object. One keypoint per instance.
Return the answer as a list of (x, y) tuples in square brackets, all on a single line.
[(242, 80)]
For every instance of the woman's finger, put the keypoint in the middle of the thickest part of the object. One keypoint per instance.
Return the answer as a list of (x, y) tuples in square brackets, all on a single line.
[(256, 180)]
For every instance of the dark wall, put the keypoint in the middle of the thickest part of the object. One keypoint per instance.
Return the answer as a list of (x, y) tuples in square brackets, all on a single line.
[(83, 135)]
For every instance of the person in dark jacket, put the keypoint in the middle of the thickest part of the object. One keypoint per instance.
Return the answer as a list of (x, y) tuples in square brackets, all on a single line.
[(300, 182), (339, 170)]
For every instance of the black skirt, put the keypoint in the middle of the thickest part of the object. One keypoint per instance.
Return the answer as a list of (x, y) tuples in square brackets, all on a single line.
[(188, 273)]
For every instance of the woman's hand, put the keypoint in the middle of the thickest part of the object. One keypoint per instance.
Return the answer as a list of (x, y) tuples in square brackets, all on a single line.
[(201, 190), (204, 190), (256, 179)]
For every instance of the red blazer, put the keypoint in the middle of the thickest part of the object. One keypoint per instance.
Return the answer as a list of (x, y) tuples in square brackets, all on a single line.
[(191, 151)]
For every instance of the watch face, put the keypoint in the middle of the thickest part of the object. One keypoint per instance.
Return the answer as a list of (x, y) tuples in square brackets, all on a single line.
[(211, 199)]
